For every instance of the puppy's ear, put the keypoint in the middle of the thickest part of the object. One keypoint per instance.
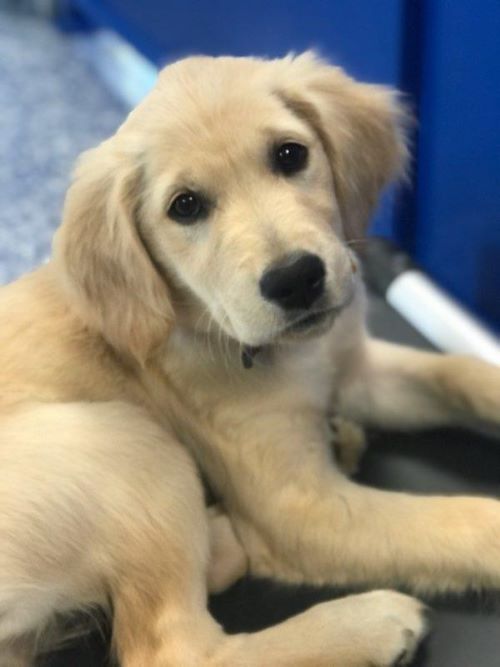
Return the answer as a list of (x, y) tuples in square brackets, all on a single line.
[(362, 129), (106, 268)]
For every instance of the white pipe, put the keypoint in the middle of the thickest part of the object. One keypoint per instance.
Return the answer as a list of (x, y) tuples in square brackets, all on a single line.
[(439, 318)]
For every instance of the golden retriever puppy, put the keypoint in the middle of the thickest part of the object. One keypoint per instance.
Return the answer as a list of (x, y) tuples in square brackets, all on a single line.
[(203, 309)]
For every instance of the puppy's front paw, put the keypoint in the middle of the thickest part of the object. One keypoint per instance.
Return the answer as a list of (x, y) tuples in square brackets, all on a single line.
[(395, 624), (381, 628)]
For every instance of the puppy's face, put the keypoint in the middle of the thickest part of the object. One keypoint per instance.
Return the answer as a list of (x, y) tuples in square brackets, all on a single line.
[(241, 212), (243, 178)]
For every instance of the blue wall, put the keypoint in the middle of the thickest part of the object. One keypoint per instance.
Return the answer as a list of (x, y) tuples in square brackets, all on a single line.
[(363, 36), (445, 54), (457, 232)]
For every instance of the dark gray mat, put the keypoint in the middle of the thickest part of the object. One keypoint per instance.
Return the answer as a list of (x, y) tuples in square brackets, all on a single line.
[(52, 108)]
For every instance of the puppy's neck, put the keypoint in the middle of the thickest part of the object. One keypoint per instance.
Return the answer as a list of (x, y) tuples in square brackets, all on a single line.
[(216, 353)]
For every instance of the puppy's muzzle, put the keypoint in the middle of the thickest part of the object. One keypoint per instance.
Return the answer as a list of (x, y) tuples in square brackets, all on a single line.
[(295, 283)]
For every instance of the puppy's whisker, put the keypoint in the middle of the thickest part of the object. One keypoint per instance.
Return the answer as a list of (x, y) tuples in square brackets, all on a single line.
[(210, 339), (225, 344), (205, 333)]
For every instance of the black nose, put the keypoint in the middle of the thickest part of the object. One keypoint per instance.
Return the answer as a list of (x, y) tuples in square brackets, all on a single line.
[(296, 282)]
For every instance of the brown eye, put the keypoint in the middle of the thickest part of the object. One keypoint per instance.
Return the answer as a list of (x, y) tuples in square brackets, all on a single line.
[(186, 208), (290, 158)]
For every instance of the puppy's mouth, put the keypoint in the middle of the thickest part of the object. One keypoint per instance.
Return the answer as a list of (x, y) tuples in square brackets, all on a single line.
[(311, 320), (302, 327), (316, 322)]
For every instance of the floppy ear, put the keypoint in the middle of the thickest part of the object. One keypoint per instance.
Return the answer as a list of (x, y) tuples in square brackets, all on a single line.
[(107, 270), (361, 127)]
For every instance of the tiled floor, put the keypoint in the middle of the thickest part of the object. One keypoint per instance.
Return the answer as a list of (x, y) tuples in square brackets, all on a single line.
[(52, 106)]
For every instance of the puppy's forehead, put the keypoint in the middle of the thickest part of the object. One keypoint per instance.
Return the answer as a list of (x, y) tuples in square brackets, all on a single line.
[(218, 117)]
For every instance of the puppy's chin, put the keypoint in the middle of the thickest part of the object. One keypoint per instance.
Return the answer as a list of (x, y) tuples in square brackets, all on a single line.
[(309, 326)]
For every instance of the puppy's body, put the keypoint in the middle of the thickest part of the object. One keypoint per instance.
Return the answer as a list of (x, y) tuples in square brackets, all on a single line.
[(121, 366)]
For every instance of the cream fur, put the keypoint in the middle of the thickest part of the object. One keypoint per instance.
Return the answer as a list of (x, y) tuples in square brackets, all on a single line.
[(120, 367)]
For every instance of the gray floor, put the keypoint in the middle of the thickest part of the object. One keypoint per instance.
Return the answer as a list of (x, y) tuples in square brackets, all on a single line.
[(52, 107)]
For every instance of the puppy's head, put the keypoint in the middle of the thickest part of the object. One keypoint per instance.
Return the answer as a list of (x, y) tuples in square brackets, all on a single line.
[(226, 199)]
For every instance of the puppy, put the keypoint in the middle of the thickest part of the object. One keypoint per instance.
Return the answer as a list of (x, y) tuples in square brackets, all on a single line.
[(203, 309)]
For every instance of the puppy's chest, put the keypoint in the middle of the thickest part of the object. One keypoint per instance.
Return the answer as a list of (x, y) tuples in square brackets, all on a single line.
[(222, 403)]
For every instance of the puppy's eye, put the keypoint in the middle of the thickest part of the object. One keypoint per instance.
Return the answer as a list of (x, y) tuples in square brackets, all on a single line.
[(290, 158), (186, 208)]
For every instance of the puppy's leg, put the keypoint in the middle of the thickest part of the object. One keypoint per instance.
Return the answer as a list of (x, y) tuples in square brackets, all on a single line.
[(381, 628), (228, 560), (158, 589), (176, 631), (99, 503), (398, 387), (300, 519), (161, 619)]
